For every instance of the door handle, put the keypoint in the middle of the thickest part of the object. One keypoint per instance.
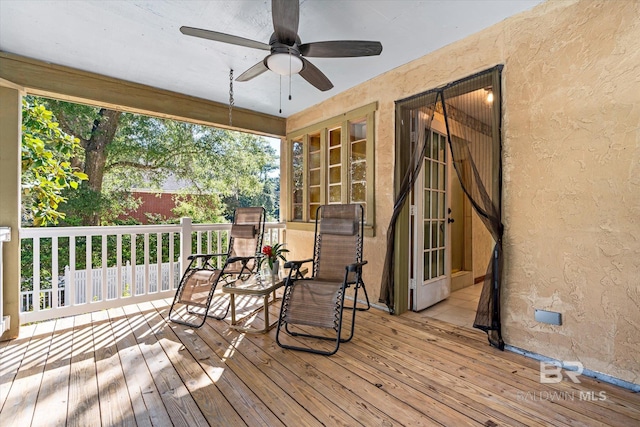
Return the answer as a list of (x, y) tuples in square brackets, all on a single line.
[(450, 220)]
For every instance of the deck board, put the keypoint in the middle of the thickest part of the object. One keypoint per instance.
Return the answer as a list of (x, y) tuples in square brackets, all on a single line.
[(130, 366), (83, 408), (54, 389)]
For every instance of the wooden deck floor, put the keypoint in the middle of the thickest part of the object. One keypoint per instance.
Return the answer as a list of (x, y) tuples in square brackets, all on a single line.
[(129, 366)]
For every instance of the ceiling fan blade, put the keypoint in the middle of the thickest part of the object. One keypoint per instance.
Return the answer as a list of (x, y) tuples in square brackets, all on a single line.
[(314, 76), (252, 72), (340, 49), (224, 38), (286, 15)]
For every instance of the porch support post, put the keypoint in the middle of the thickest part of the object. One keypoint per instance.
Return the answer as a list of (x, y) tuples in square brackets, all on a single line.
[(185, 243), (10, 135)]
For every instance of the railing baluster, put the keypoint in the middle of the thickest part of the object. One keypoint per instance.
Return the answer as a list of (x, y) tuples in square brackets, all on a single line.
[(70, 280), (119, 289), (219, 247), (159, 261), (134, 286), (88, 268), (105, 284), (54, 272), (171, 261), (146, 284), (36, 274)]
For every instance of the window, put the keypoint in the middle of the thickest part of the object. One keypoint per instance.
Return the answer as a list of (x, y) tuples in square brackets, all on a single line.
[(332, 162)]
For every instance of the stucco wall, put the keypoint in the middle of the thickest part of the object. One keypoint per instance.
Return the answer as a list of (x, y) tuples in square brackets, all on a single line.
[(571, 86), (572, 185)]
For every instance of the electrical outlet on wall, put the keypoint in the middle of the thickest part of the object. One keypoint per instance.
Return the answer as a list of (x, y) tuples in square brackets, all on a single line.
[(550, 317)]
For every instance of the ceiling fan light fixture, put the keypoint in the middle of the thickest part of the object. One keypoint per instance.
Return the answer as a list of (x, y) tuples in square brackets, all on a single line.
[(284, 64)]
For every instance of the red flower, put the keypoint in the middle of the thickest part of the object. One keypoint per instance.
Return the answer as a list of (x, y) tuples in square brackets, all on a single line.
[(267, 251)]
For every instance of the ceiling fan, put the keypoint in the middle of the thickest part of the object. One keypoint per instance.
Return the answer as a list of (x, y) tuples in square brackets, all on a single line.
[(288, 55)]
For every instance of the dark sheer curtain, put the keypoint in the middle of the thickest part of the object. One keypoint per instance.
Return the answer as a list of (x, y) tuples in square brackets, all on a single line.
[(473, 117), (471, 110), (413, 125)]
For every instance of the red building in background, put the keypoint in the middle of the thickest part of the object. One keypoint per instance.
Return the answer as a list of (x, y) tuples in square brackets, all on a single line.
[(155, 204)]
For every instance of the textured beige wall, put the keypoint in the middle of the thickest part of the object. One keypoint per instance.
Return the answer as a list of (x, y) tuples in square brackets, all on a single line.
[(572, 185), (571, 172)]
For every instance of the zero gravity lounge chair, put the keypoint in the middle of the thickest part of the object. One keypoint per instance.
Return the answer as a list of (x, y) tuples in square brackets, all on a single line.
[(312, 308), (202, 276)]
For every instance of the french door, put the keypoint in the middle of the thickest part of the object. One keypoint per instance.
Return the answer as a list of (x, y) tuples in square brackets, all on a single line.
[(431, 281)]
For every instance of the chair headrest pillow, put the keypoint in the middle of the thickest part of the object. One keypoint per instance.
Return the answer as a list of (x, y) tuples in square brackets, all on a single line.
[(243, 231), (338, 226)]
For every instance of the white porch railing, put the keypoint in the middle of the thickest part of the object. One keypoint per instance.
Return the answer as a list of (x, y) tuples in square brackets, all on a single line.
[(59, 287)]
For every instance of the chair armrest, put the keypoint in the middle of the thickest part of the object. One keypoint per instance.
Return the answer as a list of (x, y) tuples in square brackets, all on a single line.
[(240, 258), (207, 256), (356, 266), (296, 264)]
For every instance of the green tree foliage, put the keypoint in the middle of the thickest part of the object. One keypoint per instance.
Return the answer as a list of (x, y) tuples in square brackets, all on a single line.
[(47, 170), (115, 152), (218, 169)]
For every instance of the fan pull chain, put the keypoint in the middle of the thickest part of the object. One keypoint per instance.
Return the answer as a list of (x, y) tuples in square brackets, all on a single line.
[(289, 76), (280, 95), (231, 97)]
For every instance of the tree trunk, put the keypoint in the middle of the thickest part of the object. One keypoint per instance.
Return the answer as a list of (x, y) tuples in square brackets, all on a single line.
[(102, 133)]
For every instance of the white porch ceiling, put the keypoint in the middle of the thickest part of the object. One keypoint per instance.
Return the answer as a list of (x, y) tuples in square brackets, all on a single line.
[(140, 41)]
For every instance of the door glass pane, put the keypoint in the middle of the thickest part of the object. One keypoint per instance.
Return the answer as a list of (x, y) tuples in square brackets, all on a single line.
[(358, 161), (314, 159), (359, 150), (434, 208), (434, 205), (314, 195), (314, 142), (434, 265), (335, 163), (335, 193), (434, 175), (358, 171), (297, 169), (427, 174), (427, 233), (314, 177), (334, 137), (335, 175), (357, 129), (334, 156), (313, 208), (314, 174), (434, 234), (427, 201), (426, 264), (358, 192)]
